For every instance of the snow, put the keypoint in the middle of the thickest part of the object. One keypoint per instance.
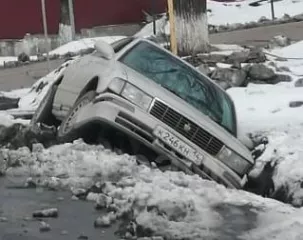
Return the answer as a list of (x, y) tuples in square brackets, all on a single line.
[(293, 54), (241, 12), (224, 13), (17, 93), (7, 117), (6, 59), (228, 47), (173, 204), (266, 109), (194, 208), (70, 47), (85, 43), (263, 107), (290, 51), (7, 120), (147, 30)]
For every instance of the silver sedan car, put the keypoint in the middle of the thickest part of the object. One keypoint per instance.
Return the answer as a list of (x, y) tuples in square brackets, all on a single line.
[(138, 96)]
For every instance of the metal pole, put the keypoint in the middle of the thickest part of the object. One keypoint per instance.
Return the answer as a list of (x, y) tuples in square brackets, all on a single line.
[(72, 18), (45, 33), (272, 9), (154, 16), (173, 40)]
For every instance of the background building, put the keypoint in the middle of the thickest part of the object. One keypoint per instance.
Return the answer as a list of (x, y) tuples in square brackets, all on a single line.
[(18, 17)]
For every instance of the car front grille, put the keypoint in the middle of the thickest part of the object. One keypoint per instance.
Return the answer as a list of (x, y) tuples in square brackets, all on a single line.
[(194, 133)]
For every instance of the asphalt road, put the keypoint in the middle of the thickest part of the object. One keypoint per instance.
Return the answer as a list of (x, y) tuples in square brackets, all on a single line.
[(76, 217), (25, 76), (259, 36)]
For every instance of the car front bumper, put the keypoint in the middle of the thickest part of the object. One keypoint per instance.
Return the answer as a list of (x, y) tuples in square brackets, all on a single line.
[(139, 124)]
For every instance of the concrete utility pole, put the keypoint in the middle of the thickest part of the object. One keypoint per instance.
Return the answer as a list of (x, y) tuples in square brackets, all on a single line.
[(173, 40), (154, 16), (72, 18), (45, 32), (272, 9), (191, 27)]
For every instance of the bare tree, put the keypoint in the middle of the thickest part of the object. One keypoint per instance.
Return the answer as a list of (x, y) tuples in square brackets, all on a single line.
[(191, 26)]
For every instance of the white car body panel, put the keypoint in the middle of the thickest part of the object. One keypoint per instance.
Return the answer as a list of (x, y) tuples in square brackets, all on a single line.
[(79, 74)]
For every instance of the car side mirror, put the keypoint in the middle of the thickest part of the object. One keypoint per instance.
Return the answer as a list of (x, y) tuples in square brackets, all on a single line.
[(106, 51)]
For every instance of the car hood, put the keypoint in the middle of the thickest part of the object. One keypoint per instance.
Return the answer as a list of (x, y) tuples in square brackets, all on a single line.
[(155, 90)]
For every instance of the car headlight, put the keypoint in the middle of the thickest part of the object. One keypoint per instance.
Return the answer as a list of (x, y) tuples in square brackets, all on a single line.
[(131, 93), (234, 161), (117, 85), (136, 96)]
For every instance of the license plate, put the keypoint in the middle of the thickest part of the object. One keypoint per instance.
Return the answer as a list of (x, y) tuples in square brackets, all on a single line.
[(178, 145)]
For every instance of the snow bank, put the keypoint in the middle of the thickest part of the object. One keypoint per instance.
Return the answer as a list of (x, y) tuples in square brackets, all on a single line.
[(6, 117), (85, 43), (223, 13), (3, 60), (276, 111), (7, 59), (241, 12), (265, 107), (71, 47), (291, 51), (162, 27), (294, 54), (171, 204), (17, 93), (8, 120)]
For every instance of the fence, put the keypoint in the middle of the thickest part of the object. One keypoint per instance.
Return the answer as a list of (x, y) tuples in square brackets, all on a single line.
[(90, 13), (18, 17)]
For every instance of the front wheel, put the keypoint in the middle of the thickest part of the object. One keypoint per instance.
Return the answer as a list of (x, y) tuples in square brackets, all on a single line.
[(66, 131)]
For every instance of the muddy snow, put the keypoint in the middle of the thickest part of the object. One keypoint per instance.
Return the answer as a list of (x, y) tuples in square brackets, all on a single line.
[(170, 204)]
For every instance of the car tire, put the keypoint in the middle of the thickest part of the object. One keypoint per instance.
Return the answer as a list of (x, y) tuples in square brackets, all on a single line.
[(65, 132), (43, 113)]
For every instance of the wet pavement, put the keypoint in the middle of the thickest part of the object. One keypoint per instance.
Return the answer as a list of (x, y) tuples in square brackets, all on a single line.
[(25, 76), (75, 220), (259, 36), (237, 220)]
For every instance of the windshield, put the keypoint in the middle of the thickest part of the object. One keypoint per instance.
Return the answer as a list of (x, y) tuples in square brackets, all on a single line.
[(178, 78)]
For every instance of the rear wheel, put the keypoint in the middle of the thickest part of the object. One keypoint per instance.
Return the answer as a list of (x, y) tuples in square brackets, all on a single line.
[(43, 114), (66, 131)]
